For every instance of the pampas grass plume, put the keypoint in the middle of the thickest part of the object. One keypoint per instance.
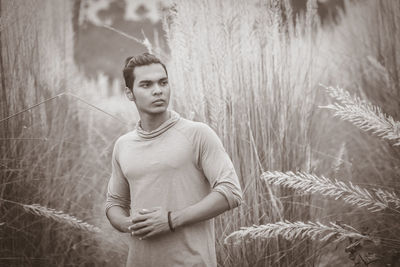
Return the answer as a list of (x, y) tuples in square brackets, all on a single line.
[(290, 231), (374, 201), (61, 217), (363, 114)]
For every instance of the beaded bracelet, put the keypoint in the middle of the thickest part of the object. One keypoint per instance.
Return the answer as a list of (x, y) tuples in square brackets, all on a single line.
[(170, 222)]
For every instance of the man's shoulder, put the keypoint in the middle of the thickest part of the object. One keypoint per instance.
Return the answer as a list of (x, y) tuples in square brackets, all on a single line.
[(192, 126), (194, 129), (131, 135)]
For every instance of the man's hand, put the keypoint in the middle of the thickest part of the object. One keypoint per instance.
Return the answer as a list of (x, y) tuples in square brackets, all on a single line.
[(123, 222), (148, 223), (120, 218)]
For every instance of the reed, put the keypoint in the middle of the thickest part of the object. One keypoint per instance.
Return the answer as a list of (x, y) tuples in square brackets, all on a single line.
[(61, 217), (374, 201), (363, 114), (296, 230)]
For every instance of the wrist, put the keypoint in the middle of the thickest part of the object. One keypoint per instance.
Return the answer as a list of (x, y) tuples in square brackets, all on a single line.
[(176, 219), (119, 218), (123, 222), (124, 225)]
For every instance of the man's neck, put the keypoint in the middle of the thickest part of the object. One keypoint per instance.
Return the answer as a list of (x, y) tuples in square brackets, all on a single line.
[(150, 122)]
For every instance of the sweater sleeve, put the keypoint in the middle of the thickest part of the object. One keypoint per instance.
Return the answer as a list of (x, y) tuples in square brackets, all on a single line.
[(118, 193), (217, 166)]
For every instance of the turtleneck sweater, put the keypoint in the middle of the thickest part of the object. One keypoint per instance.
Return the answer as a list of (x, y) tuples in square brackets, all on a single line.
[(173, 166), (174, 117)]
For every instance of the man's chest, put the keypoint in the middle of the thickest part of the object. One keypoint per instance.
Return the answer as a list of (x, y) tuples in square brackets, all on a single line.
[(155, 157)]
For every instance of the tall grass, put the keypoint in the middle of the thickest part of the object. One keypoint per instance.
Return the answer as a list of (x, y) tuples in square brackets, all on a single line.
[(55, 147), (383, 248), (239, 66), (255, 79)]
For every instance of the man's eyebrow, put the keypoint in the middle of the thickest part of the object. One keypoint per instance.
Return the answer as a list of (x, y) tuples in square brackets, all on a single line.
[(150, 81), (145, 81)]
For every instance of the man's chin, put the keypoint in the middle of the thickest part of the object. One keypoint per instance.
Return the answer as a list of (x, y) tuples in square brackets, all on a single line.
[(157, 110)]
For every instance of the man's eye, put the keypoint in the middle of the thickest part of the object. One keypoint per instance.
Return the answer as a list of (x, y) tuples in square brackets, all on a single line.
[(145, 85), (164, 83)]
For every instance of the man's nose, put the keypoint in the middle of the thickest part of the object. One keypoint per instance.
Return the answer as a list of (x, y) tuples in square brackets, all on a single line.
[(157, 90)]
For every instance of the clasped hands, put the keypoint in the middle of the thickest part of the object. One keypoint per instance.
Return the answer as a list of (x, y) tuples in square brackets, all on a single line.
[(147, 223)]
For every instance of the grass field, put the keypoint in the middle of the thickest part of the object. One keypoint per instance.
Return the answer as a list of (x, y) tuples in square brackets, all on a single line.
[(253, 75)]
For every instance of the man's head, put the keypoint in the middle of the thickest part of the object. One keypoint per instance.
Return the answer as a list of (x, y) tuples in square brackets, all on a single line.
[(136, 61), (146, 81)]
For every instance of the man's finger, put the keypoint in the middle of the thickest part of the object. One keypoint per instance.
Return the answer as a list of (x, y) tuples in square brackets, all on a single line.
[(145, 211), (138, 225), (140, 217), (147, 235), (142, 231)]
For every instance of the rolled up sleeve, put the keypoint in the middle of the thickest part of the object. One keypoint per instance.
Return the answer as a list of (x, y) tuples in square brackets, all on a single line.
[(118, 193), (218, 167)]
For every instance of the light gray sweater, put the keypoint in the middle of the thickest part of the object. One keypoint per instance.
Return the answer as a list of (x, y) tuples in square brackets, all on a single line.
[(172, 167)]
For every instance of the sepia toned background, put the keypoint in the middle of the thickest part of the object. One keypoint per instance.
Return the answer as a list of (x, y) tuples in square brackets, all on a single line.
[(305, 96)]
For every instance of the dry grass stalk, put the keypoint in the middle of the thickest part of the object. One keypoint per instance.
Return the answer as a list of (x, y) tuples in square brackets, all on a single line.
[(350, 193), (338, 163), (363, 114), (60, 216), (291, 231)]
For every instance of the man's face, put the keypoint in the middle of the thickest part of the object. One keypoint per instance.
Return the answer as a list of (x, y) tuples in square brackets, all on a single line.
[(150, 89)]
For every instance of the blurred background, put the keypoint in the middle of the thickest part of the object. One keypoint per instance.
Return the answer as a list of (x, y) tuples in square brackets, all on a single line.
[(255, 71), (100, 50)]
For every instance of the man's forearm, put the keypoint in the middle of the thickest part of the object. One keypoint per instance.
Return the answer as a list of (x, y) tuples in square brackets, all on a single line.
[(119, 218), (209, 207)]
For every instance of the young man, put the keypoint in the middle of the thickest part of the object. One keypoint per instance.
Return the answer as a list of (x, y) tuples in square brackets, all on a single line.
[(170, 177)]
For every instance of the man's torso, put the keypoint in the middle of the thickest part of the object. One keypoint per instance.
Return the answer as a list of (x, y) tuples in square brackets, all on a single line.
[(163, 171)]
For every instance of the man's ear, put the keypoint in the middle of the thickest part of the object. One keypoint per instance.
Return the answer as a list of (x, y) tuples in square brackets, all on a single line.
[(129, 94)]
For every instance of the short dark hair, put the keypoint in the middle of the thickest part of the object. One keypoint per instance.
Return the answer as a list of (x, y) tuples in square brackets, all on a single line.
[(135, 61)]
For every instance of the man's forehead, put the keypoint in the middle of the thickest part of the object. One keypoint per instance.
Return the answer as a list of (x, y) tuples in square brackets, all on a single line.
[(149, 72)]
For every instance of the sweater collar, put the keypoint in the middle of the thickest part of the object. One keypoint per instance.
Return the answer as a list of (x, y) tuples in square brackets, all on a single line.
[(174, 117)]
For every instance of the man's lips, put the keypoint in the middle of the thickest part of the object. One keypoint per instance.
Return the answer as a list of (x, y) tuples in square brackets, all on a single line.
[(158, 101)]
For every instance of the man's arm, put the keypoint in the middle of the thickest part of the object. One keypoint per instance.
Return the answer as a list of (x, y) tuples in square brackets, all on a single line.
[(226, 193), (118, 196), (154, 222), (209, 207), (119, 218)]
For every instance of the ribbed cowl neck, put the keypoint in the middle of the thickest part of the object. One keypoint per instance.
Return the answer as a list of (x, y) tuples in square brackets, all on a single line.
[(161, 129)]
